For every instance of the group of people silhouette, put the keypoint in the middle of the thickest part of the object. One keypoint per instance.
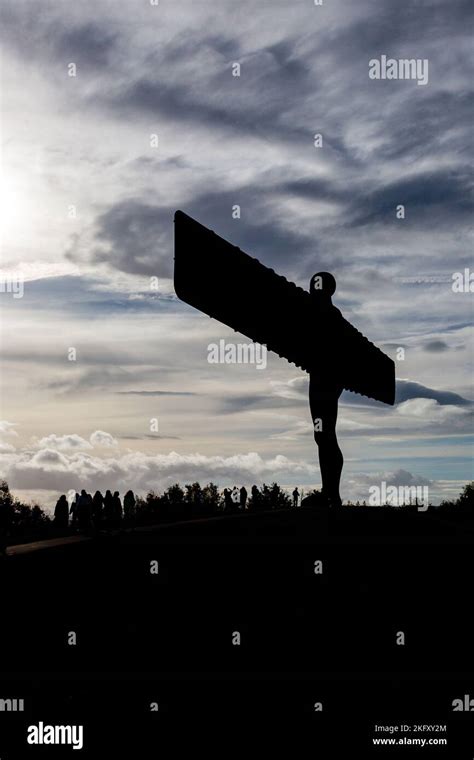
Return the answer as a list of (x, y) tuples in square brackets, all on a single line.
[(87, 512), (236, 499)]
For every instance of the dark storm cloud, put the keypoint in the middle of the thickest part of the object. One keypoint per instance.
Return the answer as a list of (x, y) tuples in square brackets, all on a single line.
[(433, 117), (58, 40), (210, 96), (89, 44), (316, 189), (137, 238), (286, 92), (407, 390), (281, 93), (390, 27), (436, 346), (422, 195)]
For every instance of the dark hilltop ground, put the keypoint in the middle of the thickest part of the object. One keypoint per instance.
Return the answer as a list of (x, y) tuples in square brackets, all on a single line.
[(98, 626), (202, 514)]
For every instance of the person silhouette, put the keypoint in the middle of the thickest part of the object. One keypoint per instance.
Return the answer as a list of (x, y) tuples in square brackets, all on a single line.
[(74, 510), (108, 508), (243, 498), (61, 512), (255, 497), (129, 505), (117, 509), (227, 500), (325, 388), (97, 508), (295, 495), (83, 510), (235, 499)]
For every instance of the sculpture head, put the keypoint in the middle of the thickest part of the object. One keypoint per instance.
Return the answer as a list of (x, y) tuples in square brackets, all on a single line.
[(321, 287), (322, 283)]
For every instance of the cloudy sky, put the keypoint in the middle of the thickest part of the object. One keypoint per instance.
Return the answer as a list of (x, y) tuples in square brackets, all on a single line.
[(88, 198)]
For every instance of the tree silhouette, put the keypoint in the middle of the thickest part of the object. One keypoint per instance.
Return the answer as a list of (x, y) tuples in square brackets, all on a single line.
[(175, 494), (466, 497), (18, 519)]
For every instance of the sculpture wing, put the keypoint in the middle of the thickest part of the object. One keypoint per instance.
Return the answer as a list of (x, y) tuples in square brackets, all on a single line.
[(222, 281)]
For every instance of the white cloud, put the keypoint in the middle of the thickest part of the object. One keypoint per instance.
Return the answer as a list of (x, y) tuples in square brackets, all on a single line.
[(100, 438), (296, 388), (7, 428), (430, 410), (6, 447), (52, 470), (357, 485), (72, 442)]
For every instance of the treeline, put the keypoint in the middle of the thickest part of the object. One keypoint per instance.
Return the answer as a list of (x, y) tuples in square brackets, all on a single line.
[(196, 501), (464, 504), (19, 521)]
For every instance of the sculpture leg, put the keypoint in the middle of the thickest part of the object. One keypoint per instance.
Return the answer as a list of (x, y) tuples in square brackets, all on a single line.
[(324, 395)]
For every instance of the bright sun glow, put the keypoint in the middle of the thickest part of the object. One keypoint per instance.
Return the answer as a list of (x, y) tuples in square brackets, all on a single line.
[(14, 211)]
